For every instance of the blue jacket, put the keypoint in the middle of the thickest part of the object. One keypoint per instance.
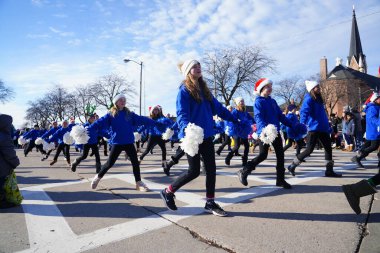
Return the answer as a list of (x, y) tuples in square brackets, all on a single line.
[(190, 111), (313, 115), (32, 134), (51, 131), (159, 129), (93, 133), (58, 135), (219, 126), (246, 121), (268, 112), (291, 131), (121, 126), (372, 122)]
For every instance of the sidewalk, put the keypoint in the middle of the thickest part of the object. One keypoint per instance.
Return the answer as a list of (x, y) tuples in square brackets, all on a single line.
[(61, 213)]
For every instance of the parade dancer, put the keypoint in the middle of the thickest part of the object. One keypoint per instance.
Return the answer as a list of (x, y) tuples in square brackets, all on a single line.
[(54, 128), (155, 133), (292, 136), (195, 104), (267, 113), (240, 113), (32, 135), (91, 144), (228, 126), (121, 121), (372, 142), (313, 115), (62, 146)]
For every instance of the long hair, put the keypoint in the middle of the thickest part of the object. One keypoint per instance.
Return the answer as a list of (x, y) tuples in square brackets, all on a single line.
[(114, 110), (158, 115), (316, 97), (241, 108), (197, 87)]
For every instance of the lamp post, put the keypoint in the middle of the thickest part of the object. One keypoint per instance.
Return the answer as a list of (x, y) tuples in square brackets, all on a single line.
[(141, 66)]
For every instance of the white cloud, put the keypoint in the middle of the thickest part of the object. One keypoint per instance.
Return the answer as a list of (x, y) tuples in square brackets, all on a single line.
[(61, 33)]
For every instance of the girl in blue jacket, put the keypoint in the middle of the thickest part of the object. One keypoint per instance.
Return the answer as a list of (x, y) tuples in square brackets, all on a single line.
[(240, 138), (32, 135), (227, 134), (372, 117), (291, 134), (195, 104), (155, 133), (267, 112), (313, 115), (54, 128), (121, 122), (58, 137), (91, 144)]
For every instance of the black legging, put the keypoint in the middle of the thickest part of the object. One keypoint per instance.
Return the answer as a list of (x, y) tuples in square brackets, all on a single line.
[(28, 147), (227, 141), (114, 154), (238, 141), (290, 143), (66, 151), (178, 155), (263, 154), (312, 140), (40, 148), (207, 151), (368, 147), (86, 149), (155, 140)]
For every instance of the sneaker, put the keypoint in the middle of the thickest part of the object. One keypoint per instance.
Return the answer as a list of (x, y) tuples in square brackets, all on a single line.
[(356, 160), (168, 199), (53, 162), (292, 168), (95, 182), (332, 174), (283, 184), (140, 186), (73, 167), (215, 209), (242, 175), (167, 167)]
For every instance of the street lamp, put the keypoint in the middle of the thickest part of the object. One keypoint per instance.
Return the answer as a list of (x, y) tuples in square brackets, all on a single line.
[(141, 66)]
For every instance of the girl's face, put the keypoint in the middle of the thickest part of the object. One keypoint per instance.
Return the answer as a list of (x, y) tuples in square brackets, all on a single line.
[(196, 70), (120, 103), (267, 90), (241, 103), (317, 89), (155, 111)]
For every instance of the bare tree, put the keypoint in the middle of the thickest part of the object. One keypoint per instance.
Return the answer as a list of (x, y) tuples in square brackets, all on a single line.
[(6, 93), (234, 71), (108, 86), (290, 88), (84, 102)]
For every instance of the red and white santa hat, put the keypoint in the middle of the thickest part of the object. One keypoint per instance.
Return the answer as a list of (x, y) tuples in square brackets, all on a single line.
[(260, 84), (373, 97)]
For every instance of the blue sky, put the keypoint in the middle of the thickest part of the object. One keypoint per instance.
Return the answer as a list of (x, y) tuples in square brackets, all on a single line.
[(45, 43)]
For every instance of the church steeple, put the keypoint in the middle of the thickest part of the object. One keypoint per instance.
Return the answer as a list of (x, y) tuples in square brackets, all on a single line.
[(356, 58)]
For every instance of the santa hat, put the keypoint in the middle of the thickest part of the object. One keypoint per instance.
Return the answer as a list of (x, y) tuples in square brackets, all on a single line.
[(374, 96), (186, 66), (238, 100), (260, 84), (117, 97), (310, 85)]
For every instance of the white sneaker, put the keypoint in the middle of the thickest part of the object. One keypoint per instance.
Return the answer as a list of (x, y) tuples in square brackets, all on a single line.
[(95, 182), (140, 186)]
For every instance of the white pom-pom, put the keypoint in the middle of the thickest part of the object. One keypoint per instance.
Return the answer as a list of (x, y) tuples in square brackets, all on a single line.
[(255, 136), (193, 137), (269, 134), (168, 134), (48, 146), (137, 136), (79, 134), (67, 139), (21, 140), (39, 141)]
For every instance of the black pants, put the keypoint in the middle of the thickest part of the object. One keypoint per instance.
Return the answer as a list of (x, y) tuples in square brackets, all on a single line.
[(376, 179), (239, 141), (66, 151), (86, 148), (312, 139), (206, 150), (114, 154), (263, 154), (178, 155), (40, 148), (155, 140), (290, 143), (29, 147), (368, 147), (227, 141)]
